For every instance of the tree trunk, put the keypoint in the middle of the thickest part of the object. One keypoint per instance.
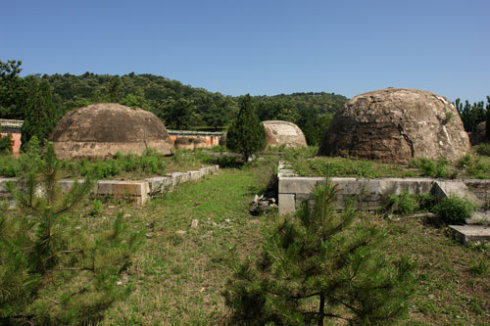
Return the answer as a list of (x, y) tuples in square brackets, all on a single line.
[(321, 310)]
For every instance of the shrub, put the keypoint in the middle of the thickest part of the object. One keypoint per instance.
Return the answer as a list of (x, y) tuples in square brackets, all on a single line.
[(6, 143), (454, 210), (483, 149), (402, 204), (436, 169), (426, 201), (321, 266)]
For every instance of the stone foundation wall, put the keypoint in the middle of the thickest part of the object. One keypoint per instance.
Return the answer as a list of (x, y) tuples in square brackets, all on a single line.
[(137, 191), (371, 194), (481, 188)]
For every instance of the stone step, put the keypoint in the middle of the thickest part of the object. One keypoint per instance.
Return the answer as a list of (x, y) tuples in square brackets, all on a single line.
[(471, 233), (445, 189)]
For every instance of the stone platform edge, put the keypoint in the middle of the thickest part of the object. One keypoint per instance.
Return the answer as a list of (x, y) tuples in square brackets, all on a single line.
[(137, 191)]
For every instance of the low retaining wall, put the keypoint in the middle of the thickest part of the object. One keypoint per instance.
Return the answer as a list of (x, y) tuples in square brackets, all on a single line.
[(373, 193), (137, 191)]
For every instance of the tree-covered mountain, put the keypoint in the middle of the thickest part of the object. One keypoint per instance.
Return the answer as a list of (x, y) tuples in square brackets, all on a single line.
[(180, 106)]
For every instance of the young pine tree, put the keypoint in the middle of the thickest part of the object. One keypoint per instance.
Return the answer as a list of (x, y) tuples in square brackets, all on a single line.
[(318, 266), (55, 267), (246, 134)]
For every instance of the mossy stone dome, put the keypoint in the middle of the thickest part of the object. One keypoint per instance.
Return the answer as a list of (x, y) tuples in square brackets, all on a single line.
[(103, 129), (396, 125)]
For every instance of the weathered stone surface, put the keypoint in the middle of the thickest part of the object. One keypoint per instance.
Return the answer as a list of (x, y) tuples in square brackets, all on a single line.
[(101, 130), (195, 175), (395, 125), (132, 190), (481, 189), (159, 184), (298, 185), (445, 189), (287, 204), (471, 233), (283, 133)]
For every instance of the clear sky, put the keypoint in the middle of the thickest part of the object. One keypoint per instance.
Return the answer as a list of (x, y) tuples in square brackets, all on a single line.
[(260, 46)]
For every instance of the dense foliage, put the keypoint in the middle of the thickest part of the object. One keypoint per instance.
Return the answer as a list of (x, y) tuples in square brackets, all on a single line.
[(180, 106), (246, 135), (473, 114), (321, 265), (454, 210), (6, 143)]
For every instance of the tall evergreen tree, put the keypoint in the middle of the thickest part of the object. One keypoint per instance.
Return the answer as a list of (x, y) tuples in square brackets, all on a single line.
[(318, 266), (246, 134), (40, 111)]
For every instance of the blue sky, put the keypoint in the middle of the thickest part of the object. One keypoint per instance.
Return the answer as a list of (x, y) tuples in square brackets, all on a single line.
[(260, 47)]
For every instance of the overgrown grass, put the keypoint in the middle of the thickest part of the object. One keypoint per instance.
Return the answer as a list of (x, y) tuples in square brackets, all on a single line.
[(305, 163), (179, 272), (129, 166)]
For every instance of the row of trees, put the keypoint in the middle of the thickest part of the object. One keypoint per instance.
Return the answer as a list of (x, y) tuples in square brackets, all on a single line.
[(43, 100), (474, 114)]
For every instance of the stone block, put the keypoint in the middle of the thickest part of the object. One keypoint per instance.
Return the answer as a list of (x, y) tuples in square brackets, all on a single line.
[(180, 177), (66, 184), (470, 233), (136, 191), (445, 189), (298, 185), (160, 184), (195, 175), (287, 204)]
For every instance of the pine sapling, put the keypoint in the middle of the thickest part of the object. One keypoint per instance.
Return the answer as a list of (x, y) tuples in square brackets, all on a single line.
[(321, 265)]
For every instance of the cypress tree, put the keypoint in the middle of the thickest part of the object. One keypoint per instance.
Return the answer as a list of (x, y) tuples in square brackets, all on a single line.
[(40, 111), (246, 134), (321, 266)]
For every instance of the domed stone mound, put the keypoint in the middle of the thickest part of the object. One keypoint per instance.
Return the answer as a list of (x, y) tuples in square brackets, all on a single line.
[(283, 133), (101, 130), (395, 125)]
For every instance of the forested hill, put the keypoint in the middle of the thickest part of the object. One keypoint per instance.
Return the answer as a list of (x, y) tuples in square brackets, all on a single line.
[(180, 106)]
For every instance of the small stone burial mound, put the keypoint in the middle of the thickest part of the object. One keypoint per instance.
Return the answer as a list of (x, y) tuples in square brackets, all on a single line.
[(395, 125), (283, 133), (103, 129)]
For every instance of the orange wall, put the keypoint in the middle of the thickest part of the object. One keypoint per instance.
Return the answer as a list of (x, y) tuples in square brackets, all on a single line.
[(16, 137), (210, 140)]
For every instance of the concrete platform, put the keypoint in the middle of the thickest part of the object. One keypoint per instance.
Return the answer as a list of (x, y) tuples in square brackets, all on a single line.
[(471, 233)]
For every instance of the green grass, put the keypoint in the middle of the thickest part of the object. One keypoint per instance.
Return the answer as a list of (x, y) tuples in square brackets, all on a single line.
[(305, 163), (128, 166), (177, 278)]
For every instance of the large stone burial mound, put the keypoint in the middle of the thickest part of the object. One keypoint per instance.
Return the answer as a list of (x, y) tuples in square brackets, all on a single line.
[(395, 125), (283, 133), (101, 130)]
